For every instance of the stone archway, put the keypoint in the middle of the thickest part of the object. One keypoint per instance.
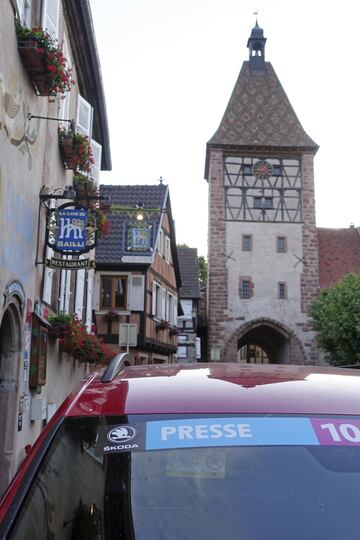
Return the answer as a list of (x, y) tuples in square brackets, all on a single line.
[(10, 348), (264, 340)]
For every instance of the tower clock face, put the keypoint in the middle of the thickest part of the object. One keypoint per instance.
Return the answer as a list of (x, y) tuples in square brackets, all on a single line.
[(262, 169)]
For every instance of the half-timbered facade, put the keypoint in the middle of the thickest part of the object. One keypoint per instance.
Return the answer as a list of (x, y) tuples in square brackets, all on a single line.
[(137, 274)]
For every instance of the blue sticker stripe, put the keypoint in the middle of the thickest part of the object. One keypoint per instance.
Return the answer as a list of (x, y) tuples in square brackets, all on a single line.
[(250, 431)]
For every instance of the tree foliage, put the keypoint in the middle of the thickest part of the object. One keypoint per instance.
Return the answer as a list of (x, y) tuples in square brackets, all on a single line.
[(335, 316), (202, 269)]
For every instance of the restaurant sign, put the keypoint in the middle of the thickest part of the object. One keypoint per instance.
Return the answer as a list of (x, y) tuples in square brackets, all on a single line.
[(64, 264), (71, 230)]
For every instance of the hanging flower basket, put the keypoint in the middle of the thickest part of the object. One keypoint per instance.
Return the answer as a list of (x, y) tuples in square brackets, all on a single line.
[(75, 150), (87, 193), (60, 325), (44, 62)]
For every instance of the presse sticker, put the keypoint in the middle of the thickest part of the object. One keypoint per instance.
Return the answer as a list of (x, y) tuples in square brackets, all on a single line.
[(231, 431)]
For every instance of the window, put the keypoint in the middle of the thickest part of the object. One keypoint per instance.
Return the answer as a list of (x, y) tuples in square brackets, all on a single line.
[(281, 244), (257, 202), (282, 290), (158, 301), (268, 202), (113, 292), (167, 249), (161, 242), (246, 288), (247, 169), (247, 242), (263, 202), (277, 170), (25, 12)]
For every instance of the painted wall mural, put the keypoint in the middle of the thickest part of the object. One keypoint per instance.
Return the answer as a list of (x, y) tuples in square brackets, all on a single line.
[(14, 118)]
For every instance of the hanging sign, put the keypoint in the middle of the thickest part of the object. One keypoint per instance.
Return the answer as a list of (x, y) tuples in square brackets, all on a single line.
[(80, 264), (71, 229)]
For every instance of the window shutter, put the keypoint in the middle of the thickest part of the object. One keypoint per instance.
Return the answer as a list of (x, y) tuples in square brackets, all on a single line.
[(79, 297), (64, 109), (84, 116), (175, 315), (90, 287), (96, 167), (163, 303), (65, 291), (137, 293), (51, 17), (153, 303), (96, 292)]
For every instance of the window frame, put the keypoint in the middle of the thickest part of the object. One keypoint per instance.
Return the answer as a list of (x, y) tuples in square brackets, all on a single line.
[(246, 287), (113, 290), (247, 242), (279, 240), (282, 290)]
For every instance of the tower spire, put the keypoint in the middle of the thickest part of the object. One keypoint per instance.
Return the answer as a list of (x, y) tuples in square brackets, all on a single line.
[(256, 45)]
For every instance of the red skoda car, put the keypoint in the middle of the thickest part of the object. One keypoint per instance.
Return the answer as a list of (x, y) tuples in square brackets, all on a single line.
[(206, 451)]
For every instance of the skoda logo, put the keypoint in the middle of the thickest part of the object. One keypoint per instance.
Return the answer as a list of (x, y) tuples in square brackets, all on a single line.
[(121, 434)]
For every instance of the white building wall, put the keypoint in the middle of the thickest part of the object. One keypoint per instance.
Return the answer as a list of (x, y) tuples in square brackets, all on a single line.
[(266, 267)]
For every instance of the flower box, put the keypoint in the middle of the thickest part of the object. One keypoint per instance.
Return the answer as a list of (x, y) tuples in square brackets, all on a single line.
[(66, 152), (35, 67), (75, 150), (44, 62), (162, 325)]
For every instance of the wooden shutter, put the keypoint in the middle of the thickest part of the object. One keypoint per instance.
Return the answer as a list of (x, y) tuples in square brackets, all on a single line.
[(137, 293), (96, 292), (163, 303), (79, 296), (84, 115), (96, 167), (153, 303), (51, 17), (90, 287)]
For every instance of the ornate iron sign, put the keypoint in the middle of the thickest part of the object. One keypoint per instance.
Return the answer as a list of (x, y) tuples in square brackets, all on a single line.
[(71, 229)]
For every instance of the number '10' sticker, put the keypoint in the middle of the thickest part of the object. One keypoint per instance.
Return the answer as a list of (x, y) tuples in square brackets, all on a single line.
[(337, 431)]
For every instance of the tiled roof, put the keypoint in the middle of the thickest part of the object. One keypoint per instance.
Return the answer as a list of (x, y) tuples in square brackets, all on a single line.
[(189, 271), (260, 114), (111, 248), (339, 254)]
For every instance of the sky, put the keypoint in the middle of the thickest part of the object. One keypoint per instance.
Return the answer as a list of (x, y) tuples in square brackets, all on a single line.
[(169, 67)]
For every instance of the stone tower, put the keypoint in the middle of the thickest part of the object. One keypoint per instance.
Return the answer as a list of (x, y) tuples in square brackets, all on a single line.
[(263, 253)]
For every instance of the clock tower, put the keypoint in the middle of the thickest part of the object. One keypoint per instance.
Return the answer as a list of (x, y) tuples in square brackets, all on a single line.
[(263, 253)]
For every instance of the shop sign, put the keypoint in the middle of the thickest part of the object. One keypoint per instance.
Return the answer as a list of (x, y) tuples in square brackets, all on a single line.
[(14, 288), (71, 229), (71, 233), (81, 264)]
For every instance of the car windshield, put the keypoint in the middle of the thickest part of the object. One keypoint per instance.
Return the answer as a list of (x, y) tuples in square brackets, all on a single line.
[(116, 490)]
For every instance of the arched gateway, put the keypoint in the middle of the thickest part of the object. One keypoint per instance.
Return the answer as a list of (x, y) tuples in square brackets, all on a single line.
[(10, 348), (264, 341)]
